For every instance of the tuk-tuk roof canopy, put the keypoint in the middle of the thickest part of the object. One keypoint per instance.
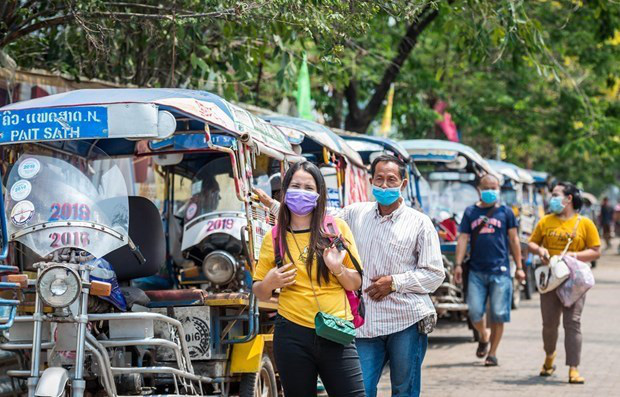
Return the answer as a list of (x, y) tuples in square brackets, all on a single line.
[(132, 113), (319, 133), (511, 171), (436, 150), (540, 177)]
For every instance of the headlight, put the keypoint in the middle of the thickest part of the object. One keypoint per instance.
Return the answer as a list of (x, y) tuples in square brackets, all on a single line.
[(219, 267), (58, 286)]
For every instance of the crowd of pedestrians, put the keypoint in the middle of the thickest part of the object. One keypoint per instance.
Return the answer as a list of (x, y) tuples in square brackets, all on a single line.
[(392, 252)]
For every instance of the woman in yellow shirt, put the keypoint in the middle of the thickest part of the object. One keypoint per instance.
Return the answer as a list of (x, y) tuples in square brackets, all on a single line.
[(314, 278), (549, 238)]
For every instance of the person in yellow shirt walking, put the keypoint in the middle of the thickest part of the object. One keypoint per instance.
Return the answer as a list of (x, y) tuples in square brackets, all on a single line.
[(313, 279), (550, 238)]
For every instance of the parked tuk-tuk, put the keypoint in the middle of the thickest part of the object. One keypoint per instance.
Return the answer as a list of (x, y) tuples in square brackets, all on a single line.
[(517, 192), (369, 147), (342, 167), (450, 172), (75, 236)]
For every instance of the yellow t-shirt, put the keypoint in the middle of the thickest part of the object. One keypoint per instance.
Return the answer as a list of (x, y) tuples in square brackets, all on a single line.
[(297, 303), (552, 233)]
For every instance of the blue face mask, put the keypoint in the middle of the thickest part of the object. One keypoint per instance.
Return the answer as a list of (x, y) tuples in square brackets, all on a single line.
[(489, 196), (556, 205), (386, 196)]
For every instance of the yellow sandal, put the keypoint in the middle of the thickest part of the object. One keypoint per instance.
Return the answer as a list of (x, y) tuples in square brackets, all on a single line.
[(575, 378), (548, 368)]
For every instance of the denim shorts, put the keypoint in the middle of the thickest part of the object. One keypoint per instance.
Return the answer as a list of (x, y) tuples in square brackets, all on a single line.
[(495, 287)]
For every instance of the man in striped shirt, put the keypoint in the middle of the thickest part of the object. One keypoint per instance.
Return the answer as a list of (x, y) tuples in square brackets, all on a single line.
[(400, 251)]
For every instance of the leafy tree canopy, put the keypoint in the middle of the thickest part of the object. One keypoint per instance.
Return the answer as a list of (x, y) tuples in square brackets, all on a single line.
[(540, 78)]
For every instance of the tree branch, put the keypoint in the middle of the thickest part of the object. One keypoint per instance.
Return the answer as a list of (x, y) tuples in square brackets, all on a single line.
[(405, 47), (360, 120)]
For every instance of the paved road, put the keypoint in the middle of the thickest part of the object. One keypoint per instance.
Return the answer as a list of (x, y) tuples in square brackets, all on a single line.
[(452, 369)]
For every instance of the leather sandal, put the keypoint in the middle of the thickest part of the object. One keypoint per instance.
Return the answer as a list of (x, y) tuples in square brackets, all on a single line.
[(482, 349)]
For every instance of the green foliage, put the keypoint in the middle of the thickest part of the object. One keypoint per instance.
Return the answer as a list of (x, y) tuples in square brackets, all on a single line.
[(540, 77)]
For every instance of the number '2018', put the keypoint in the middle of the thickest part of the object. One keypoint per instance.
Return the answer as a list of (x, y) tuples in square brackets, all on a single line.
[(69, 239), (69, 211)]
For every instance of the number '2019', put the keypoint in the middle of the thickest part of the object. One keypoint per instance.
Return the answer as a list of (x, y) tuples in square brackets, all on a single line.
[(69, 211)]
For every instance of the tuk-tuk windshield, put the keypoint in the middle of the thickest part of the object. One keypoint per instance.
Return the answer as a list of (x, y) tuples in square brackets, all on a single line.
[(443, 199), (52, 203), (213, 190)]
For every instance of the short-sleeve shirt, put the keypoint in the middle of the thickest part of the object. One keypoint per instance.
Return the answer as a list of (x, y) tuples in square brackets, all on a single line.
[(297, 303), (491, 252), (552, 233)]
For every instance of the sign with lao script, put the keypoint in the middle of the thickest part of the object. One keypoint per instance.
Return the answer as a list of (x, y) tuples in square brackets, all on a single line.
[(51, 124)]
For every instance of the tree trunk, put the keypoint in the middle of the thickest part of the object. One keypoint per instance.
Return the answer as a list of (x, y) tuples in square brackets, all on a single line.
[(359, 119)]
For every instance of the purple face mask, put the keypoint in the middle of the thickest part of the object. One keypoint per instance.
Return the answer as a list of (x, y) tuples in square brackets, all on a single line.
[(301, 202)]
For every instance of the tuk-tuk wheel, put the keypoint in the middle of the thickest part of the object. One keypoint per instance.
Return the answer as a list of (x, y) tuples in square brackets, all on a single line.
[(260, 384)]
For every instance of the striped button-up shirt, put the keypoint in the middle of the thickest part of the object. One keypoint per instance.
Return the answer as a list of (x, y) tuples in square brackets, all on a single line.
[(404, 245)]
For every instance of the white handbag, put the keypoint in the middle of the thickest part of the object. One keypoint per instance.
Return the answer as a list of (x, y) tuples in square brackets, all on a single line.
[(549, 277)]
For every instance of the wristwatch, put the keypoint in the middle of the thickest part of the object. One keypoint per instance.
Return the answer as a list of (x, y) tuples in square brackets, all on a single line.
[(393, 286)]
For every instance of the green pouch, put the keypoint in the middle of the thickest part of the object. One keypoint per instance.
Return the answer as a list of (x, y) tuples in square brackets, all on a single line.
[(334, 328)]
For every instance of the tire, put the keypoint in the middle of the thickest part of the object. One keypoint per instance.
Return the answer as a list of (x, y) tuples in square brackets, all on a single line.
[(260, 384), (530, 282)]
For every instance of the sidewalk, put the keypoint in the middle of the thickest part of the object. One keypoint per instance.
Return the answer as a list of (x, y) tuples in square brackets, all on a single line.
[(452, 369)]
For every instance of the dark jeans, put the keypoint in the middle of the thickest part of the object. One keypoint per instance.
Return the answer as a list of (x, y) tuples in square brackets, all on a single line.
[(301, 355)]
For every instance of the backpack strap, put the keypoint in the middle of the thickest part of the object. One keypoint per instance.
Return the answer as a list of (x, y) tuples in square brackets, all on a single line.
[(330, 226), (277, 245)]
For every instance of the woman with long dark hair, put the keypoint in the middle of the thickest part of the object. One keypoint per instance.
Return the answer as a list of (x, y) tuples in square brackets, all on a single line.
[(313, 278), (564, 226)]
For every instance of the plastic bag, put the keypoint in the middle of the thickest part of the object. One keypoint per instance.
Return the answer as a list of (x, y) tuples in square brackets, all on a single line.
[(581, 279)]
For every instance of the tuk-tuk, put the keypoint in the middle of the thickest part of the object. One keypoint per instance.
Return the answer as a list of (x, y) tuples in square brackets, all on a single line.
[(342, 167), (517, 192), (370, 147), (542, 190), (450, 172), (75, 236)]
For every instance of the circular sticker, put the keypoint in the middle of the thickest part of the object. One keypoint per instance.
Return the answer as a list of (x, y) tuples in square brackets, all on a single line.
[(20, 190), (22, 212), (29, 168), (191, 211)]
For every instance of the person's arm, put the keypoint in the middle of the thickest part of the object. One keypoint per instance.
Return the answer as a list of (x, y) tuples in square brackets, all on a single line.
[(535, 243), (350, 279), (274, 206), (267, 277), (593, 243), (429, 272), (515, 250), (461, 251), (515, 246), (274, 279)]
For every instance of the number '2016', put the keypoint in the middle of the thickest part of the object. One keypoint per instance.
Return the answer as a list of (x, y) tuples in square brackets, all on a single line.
[(69, 239), (69, 211)]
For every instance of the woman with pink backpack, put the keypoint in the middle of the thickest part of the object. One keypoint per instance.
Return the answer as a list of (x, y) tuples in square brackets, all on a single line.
[(312, 259)]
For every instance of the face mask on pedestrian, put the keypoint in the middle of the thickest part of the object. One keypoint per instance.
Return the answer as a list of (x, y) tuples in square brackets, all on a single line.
[(301, 202), (556, 204), (387, 196), (489, 196)]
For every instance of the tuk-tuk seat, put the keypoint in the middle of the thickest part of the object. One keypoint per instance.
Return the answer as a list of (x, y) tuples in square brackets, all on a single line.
[(199, 297), (176, 297)]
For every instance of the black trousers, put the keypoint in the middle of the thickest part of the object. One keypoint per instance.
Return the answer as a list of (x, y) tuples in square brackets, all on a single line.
[(301, 355)]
